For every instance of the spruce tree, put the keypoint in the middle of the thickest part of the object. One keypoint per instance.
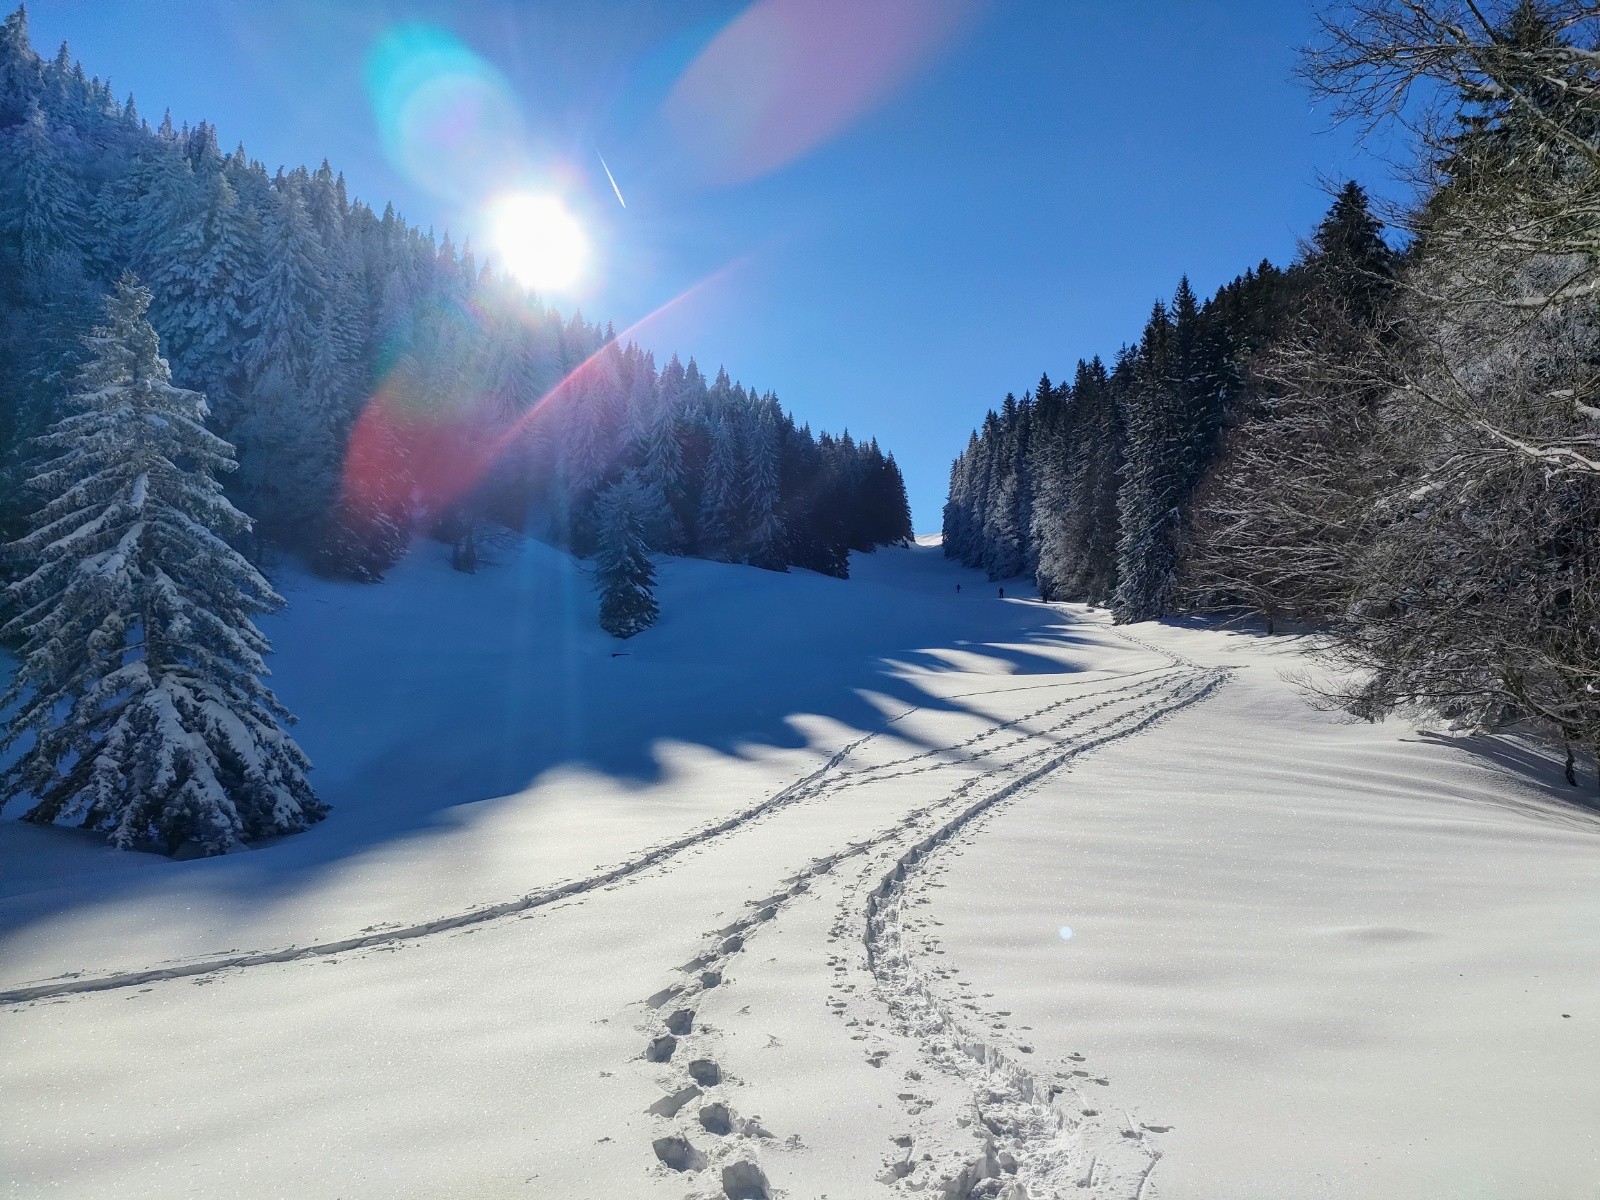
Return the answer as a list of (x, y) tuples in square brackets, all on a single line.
[(719, 522), (764, 541), (624, 575), (139, 703), (1348, 256), (288, 458), (43, 208), (1145, 501), (1095, 467)]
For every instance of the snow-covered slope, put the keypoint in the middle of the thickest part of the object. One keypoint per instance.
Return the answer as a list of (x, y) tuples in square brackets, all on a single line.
[(773, 905), (452, 717)]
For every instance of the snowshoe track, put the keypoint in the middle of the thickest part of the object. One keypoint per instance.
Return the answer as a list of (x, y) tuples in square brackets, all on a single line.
[(1028, 1123), (81, 984), (801, 789), (1036, 1148)]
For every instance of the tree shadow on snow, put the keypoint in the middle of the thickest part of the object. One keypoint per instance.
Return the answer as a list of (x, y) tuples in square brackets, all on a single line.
[(432, 700), (1537, 766)]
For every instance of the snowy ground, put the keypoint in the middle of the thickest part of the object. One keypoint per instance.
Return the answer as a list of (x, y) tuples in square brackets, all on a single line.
[(777, 904)]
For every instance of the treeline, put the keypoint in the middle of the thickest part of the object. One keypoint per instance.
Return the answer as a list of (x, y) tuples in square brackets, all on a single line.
[(1396, 449), (373, 381), (1089, 486), (203, 364)]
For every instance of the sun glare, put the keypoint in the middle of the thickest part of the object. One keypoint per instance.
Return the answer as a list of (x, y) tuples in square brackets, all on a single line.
[(538, 241)]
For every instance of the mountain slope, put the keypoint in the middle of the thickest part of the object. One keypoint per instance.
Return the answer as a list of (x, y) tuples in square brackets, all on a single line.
[(773, 906)]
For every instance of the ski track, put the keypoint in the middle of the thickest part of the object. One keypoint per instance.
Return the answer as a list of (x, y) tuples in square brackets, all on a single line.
[(806, 787), (1035, 1142), (1034, 1147), (371, 938)]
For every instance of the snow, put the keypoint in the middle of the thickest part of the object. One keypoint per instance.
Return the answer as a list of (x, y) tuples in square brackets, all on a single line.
[(817, 839)]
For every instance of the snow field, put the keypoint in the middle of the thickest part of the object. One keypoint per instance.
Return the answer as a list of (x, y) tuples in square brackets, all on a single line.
[(1330, 959), (803, 940)]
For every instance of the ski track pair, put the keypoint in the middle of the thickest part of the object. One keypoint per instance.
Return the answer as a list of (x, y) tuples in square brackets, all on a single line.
[(1040, 1135), (1035, 1142), (77, 984)]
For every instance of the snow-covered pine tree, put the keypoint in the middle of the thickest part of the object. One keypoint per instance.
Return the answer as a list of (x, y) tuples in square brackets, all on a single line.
[(661, 463), (624, 575), (287, 449), (590, 411), (1093, 468), (1005, 526), (43, 208), (42, 268), (639, 409), (764, 541), (1053, 501), (165, 217), (719, 517), (960, 534), (1145, 502), (139, 702)]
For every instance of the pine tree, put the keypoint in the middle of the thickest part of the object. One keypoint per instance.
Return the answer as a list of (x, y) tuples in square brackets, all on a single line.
[(1145, 509), (20, 68), (1176, 404), (624, 575), (1094, 468), (287, 450), (42, 269), (764, 539), (1006, 498), (43, 208), (719, 522), (1348, 257), (1054, 502), (141, 674)]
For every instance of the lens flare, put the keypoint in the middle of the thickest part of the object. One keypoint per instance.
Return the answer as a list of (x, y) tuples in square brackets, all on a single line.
[(447, 117), (433, 447), (538, 241), (785, 76)]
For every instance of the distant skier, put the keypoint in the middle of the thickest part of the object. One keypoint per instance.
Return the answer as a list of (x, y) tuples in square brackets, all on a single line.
[(958, 589), (1002, 593)]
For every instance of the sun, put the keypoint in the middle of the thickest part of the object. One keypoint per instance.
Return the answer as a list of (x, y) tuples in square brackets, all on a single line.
[(538, 240)]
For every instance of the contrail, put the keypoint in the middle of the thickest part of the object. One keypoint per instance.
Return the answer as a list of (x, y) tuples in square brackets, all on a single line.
[(613, 180)]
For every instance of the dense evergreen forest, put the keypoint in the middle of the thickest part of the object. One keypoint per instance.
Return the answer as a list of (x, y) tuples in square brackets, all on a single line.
[(375, 382), (1390, 441), (204, 367)]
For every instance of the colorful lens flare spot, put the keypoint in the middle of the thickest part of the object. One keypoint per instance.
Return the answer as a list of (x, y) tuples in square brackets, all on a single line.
[(1066, 933), (787, 75), (447, 117), (538, 241)]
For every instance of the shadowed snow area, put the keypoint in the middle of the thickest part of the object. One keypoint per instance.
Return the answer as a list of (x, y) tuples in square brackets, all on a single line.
[(476, 736), (824, 888)]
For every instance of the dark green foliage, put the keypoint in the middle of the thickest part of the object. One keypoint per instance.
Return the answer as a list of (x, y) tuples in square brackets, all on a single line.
[(623, 573)]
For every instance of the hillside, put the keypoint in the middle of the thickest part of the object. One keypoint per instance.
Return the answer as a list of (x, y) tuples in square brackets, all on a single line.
[(720, 917)]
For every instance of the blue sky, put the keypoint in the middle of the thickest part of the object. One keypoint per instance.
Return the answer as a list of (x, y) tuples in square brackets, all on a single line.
[(1016, 199)]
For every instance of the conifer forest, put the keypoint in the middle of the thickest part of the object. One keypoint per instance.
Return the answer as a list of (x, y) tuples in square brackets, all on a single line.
[(1389, 441), (463, 735)]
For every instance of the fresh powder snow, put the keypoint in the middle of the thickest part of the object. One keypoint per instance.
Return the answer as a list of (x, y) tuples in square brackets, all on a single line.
[(815, 888)]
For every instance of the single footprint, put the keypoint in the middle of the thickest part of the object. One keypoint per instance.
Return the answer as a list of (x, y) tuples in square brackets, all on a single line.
[(678, 1154), (705, 1072)]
